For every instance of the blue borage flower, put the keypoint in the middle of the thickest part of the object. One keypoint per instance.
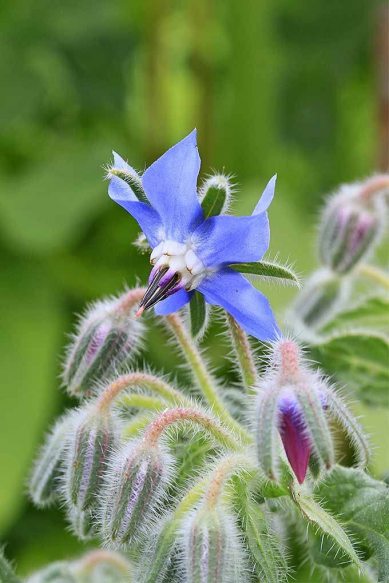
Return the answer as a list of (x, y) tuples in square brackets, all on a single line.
[(191, 252)]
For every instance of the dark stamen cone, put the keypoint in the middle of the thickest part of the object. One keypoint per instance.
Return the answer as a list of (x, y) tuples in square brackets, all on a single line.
[(159, 289)]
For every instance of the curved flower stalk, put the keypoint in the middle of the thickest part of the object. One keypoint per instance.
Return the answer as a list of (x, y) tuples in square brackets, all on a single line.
[(189, 251)]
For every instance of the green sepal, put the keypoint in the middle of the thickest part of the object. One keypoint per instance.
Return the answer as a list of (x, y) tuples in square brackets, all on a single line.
[(213, 201), (268, 270), (198, 314)]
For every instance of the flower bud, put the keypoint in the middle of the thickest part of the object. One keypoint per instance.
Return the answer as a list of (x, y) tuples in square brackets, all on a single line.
[(59, 571), (135, 483), (321, 296), (107, 336), (92, 440), (44, 480), (291, 398), (212, 550), (102, 567), (350, 228), (82, 523)]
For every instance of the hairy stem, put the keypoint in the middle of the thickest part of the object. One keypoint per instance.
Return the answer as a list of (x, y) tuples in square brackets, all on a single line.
[(203, 376), (377, 275), (171, 416), (244, 354), (224, 470), (144, 380)]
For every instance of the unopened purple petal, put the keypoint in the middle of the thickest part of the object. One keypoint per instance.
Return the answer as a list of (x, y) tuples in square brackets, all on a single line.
[(223, 239), (295, 441), (171, 187), (147, 218), (173, 303), (239, 298)]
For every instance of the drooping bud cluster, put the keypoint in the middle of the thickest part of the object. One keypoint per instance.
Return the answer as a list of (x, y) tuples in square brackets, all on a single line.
[(107, 336), (352, 223), (93, 437), (212, 549), (295, 400)]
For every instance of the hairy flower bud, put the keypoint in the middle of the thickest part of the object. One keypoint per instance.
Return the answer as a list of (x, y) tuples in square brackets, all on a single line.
[(136, 480), (321, 296), (44, 480), (60, 571), (107, 336), (212, 550), (92, 440), (350, 228)]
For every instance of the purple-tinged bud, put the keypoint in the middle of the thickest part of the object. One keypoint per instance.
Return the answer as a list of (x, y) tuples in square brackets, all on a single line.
[(45, 478), (320, 298), (351, 226), (60, 571), (107, 336), (212, 549), (93, 437), (102, 566), (298, 411), (135, 483)]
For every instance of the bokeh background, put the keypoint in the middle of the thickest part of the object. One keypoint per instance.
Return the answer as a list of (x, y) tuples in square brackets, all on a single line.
[(280, 86)]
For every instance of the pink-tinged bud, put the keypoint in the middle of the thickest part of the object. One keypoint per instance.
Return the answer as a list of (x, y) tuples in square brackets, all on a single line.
[(92, 439), (351, 226), (135, 483), (292, 399), (212, 549), (107, 337)]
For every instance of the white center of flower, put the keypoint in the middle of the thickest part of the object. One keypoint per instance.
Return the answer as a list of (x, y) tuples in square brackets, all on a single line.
[(179, 258)]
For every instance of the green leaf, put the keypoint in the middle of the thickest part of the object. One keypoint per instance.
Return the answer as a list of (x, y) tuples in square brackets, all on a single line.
[(359, 359), (325, 524), (363, 505), (213, 201), (30, 334), (198, 314), (265, 549), (371, 313), (268, 270)]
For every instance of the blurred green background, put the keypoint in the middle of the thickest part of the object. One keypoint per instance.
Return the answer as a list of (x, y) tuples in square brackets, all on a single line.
[(280, 86)]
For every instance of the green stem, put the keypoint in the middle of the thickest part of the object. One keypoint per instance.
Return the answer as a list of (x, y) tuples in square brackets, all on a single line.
[(204, 377), (142, 402), (134, 427), (377, 275), (244, 355)]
